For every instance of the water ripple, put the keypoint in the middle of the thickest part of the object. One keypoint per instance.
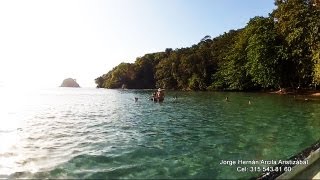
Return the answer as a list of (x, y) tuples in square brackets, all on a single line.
[(101, 134)]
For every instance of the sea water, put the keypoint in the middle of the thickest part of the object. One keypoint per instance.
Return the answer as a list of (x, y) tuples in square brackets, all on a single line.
[(99, 133)]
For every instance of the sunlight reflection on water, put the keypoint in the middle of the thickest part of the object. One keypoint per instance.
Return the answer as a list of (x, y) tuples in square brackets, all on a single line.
[(96, 133)]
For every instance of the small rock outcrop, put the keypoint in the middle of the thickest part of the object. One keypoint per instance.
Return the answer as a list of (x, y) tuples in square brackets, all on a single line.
[(69, 83)]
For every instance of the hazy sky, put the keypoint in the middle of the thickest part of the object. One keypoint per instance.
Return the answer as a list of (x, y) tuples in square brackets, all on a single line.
[(42, 42)]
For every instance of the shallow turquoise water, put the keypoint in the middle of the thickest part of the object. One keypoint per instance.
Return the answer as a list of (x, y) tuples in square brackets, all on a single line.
[(98, 133)]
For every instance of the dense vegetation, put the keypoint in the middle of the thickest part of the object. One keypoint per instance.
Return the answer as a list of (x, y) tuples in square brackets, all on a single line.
[(279, 51)]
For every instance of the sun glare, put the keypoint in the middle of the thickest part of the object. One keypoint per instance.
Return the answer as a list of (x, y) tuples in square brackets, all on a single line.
[(14, 105)]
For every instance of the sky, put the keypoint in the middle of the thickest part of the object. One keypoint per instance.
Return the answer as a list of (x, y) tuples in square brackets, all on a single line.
[(43, 42)]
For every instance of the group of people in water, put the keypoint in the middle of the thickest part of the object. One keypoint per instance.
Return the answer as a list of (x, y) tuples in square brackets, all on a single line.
[(158, 96)]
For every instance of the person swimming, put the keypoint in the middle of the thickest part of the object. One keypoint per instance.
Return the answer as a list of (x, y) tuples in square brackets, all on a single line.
[(175, 97), (136, 99)]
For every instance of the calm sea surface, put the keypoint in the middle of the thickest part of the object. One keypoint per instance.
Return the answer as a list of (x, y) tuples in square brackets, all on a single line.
[(98, 133)]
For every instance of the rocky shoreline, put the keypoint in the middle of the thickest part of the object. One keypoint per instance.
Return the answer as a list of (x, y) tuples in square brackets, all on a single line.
[(304, 92)]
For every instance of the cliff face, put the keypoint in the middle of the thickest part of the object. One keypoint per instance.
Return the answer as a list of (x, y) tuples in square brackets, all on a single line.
[(69, 83)]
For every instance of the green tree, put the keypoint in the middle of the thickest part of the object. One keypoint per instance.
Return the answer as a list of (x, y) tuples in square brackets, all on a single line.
[(316, 59), (99, 81), (293, 18), (263, 53), (165, 74), (235, 73), (217, 67)]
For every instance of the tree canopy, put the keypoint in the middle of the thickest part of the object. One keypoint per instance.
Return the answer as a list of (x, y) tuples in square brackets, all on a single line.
[(278, 51)]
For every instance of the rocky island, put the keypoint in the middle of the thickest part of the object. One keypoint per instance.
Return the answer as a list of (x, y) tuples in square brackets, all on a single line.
[(69, 82)]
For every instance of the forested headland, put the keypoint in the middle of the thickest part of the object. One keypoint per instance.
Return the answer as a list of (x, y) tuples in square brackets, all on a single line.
[(278, 51)]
